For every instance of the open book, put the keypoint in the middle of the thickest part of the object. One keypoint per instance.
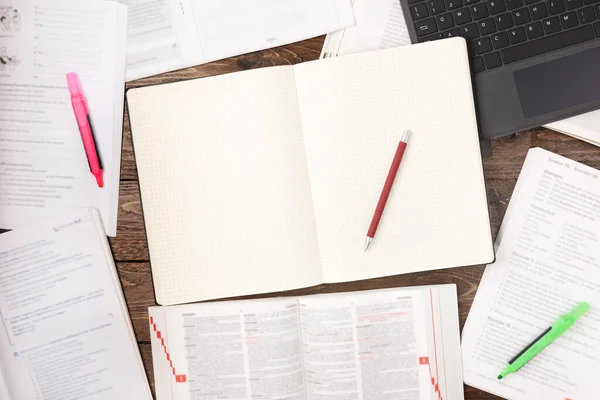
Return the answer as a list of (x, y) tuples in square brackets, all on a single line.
[(165, 35), (381, 344), (548, 261), (65, 331), (44, 170), (267, 180)]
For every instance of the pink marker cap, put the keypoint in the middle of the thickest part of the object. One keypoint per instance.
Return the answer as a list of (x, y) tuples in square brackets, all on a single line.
[(74, 84)]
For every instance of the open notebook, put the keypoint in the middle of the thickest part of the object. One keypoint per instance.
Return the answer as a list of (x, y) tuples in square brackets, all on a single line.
[(380, 344), (43, 169), (65, 331), (267, 180)]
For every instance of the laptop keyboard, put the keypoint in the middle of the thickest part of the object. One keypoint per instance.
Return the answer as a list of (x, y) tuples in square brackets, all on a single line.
[(501, 32)]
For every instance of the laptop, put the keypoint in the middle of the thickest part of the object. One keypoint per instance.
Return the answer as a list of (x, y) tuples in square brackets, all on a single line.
[(533, 61)]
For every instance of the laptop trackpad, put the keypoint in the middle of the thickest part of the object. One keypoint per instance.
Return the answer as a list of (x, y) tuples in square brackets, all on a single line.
[(560, 83)]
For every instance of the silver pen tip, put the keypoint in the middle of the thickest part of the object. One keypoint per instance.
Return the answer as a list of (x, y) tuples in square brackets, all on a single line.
[(367, 243), (405, 136)]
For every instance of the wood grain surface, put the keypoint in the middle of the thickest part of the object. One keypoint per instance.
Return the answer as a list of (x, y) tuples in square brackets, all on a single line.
[(502, 169)]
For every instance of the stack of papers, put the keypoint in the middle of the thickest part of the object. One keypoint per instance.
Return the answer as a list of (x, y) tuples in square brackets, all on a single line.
[(380, 24), (166, 35)]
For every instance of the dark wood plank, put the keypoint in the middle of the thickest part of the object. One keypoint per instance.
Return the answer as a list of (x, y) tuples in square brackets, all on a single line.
[(501, 170)]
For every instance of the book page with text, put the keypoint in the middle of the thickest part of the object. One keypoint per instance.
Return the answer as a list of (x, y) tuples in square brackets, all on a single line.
[(378, 345), (224, 183), (44, 169), (354, 111), (548, 260), (65, 331), (242, 350)]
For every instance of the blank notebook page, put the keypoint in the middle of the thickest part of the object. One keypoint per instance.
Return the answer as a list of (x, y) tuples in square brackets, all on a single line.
[(354, 110), (224, 183)]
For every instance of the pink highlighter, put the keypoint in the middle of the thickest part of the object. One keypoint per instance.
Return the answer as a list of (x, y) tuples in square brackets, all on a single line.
[(85, 127)]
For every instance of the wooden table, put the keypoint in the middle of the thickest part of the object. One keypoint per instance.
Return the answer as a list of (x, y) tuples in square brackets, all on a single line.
[(131, 252)]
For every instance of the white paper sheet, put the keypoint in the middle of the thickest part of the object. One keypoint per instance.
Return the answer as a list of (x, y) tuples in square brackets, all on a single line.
[(43, 167), (548, 260), (585, 127)]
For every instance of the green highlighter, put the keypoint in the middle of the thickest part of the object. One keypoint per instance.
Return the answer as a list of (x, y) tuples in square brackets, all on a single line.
[(557, 329)]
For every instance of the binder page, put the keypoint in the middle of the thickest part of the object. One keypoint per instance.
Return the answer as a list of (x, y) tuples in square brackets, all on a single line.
[(548, 261)]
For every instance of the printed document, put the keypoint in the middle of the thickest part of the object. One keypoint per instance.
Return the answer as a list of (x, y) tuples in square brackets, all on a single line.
[(400, 344), (380, 24), (65, 331), (165, 35), (43, 166), (548, 260)]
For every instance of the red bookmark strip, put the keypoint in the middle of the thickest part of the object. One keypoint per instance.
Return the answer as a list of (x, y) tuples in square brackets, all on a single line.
[(178, 378)]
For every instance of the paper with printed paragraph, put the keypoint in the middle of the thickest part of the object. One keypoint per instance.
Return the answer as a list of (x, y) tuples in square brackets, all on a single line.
[(64, 325), (548, 260)]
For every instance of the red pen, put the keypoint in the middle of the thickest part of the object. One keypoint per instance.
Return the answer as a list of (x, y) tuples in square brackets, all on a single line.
[(387, 188), (85, 126)]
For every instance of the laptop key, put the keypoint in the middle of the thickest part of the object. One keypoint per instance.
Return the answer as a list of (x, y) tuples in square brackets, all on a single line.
[(517, 35), (573, 4), (436, 6), (492, 60), (452, 33), (539, 11), (514, 4), (419, 11), (426, 27), (569, 20), (586, 15), (462, 17), (445, 21), (483, 45), (551, 25), (469, 31), (556, 7), (479, 11), (598, 10), (487, 26), (504, 21), (435, 36), (597, 29), (453, 4), (522, 16), (534, 30), (478, 64), (500, 40), (548, 44), (496, 6)]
